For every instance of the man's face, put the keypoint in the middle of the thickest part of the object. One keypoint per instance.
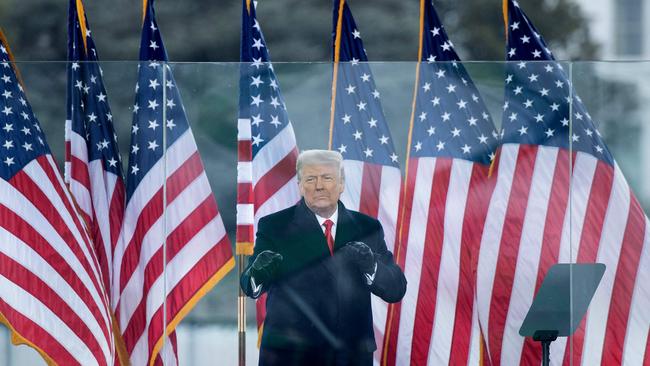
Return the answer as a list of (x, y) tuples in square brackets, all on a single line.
[(321, 186)]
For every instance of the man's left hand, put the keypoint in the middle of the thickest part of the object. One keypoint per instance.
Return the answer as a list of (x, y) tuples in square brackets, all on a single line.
[(361, 255)]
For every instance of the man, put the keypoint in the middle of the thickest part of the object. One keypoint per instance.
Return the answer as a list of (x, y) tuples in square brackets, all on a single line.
[(319, 263)]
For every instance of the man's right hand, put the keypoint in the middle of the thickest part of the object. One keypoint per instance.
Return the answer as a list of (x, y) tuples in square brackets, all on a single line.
[(265, 266)]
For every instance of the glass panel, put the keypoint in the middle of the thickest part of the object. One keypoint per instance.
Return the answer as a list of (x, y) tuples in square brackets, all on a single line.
[(613, 230), (493, 233)]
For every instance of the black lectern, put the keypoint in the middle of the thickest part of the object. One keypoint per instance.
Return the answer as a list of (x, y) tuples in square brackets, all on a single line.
[(561, 303)]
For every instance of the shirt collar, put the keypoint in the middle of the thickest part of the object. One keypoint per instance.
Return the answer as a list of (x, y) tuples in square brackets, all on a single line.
[(334, 217)]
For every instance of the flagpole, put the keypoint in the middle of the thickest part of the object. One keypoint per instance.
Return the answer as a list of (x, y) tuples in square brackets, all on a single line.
[(241, 313), (243, 248), (337, 52), (400, 221)]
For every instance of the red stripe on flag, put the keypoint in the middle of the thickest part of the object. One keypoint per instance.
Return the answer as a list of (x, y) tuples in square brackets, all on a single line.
[(276, 178), (426, 306), (79, 171), (68, 150), (556, 211), (176, 240), (22, 182), (260, 307), (244, 193), (478, 200), (592, 227), (183, 176), (509, 248), (53, 176), (244, 150), (401, 245), (245, 234), (116, 212), (24, 231), (370, 187), (628, 265), (100, 252), (152, 211), (37, 335), (131, 258), (646, 358), (33, 285), (188, 286)]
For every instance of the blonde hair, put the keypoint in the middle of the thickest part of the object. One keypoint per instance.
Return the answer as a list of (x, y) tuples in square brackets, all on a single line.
[(320, 157)]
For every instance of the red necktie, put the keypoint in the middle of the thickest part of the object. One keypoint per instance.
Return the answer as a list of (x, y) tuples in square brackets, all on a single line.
[(328, 235)]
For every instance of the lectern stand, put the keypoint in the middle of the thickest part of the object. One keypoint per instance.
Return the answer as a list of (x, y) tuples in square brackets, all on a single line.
[(561, 303)]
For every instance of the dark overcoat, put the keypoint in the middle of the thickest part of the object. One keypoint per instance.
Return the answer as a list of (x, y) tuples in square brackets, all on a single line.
[(318, 306)]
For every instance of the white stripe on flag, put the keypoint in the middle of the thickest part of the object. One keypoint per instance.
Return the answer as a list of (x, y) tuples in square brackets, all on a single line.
[(78, 146), (351, 196), (244, 172), (273, 152), (638, 322), (177, 210), (389, 195), (103, 185), (82, 197), (244, 129), (474, 358), (530, 247), (449, 271), (22, 253), (176, 269), (49, 233), (26, 304), (177, 153), (245, 213), (492, 232), (284, 197), (414, 253), (609, 251)]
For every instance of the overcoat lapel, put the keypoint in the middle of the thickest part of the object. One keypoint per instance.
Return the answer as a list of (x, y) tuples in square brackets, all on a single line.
[(345, 228)]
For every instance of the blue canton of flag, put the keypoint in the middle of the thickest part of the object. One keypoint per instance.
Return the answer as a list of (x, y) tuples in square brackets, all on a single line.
[(50, 285), (92, 162), (89, 113), (157, 105), (559, 198), (360, 133), (539, 97), (453, 140), (450, 119), (360, 130), (173, 245), (22, 139), (267, 150), (262, 101)]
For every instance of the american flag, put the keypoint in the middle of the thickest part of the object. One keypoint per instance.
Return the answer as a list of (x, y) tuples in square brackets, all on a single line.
[(92, 163), (451, 144), (173, 246), (51, 292), (559, 197), (266, 166), (360, 133)]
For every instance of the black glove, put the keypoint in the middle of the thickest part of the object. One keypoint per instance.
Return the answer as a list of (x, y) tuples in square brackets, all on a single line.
[(359, 254), (265, 266)]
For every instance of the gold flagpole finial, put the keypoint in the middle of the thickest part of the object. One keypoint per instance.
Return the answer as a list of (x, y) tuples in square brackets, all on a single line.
[(81, 15)]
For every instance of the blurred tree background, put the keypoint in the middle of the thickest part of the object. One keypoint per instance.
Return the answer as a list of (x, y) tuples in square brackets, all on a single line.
[(295, 31)]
